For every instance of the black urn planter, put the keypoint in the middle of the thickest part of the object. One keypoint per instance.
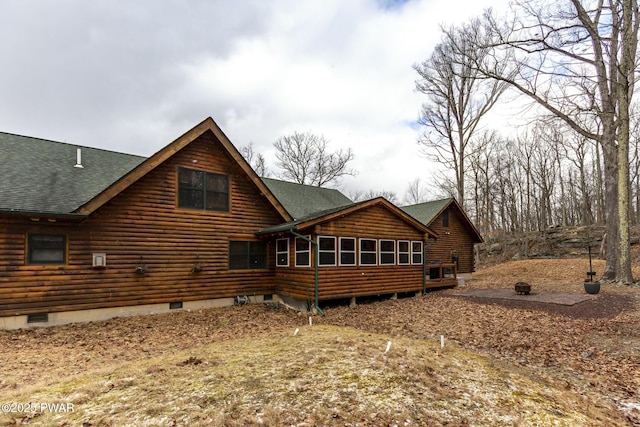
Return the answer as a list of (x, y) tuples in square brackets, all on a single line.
[(591, 287)]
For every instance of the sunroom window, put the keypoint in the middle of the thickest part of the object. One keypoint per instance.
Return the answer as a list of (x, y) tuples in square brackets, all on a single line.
[(303, 253), (387, 252), (282, 252), (327, 251), (347, 251), (368, 252), (416, 252), (404, 255)]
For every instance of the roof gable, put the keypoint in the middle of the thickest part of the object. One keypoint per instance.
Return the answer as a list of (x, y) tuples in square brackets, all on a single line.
[(427, 212), (330, 214), (208, 125), (303, 200), (40, 176)]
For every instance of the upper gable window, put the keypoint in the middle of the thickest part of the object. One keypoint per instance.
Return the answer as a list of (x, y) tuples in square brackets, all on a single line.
[(445, 218), (203, 190)]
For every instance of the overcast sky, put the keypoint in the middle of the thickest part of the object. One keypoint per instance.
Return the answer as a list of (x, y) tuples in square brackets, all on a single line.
[(132, 76)]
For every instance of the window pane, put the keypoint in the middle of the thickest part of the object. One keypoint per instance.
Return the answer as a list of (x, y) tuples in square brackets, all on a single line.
[(347, 244), (217, 201), (301, 245), (191, 178), (348, 258), (257, 255), (47, 249), (327, 258), (282, 245), (238, 255), (217, 192), (403, 258), (403, 246), (368, 258), (190, 188), (283, 259), (387, 258), (387, 246), (327, 244), (367, 245), (302, 259)]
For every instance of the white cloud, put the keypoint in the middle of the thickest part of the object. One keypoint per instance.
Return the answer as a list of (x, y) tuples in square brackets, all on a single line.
[(133, 76)]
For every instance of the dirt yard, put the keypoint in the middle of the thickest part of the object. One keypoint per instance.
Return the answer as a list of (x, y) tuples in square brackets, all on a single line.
[(581, 362)]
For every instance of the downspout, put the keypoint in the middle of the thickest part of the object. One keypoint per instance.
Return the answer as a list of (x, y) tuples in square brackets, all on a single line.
[(424, 266), (316, 262)]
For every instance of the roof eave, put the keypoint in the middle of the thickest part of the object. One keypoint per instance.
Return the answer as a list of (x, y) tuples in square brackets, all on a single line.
[(42, 214)]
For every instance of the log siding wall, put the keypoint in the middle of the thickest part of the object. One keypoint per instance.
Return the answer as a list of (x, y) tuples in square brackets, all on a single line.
[(142, 221), (360, 280), (454, 239)]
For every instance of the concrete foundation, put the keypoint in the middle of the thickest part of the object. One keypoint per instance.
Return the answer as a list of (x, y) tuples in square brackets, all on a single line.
[(95, 315)]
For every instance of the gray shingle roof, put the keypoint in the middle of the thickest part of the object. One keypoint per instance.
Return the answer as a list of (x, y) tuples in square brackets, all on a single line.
[(304, 200), (38, 175), (426, 212)]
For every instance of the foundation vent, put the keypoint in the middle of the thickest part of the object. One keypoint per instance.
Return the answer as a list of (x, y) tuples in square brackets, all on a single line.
[(38, 318)]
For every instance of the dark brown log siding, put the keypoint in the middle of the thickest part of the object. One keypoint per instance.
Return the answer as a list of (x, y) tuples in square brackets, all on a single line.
[(142, 221), (336, 282), (457, 241)]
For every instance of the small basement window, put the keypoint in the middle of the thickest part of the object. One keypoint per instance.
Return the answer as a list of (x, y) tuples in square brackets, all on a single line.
[(47, 249)]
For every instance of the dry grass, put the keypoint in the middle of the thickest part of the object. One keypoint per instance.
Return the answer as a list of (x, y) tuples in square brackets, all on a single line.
[(324, 375)]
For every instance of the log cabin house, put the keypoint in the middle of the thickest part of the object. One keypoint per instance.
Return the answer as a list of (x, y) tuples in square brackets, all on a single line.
[(88, 234), (457, 235)]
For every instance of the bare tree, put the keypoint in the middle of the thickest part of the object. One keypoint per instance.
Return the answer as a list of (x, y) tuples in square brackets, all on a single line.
[(577, 59), (458, 97), (416, 193), (359, 196), (304, 158), (256, 160)]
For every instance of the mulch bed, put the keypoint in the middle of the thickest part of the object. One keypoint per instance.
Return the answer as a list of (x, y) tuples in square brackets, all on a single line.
[(602, 306)]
